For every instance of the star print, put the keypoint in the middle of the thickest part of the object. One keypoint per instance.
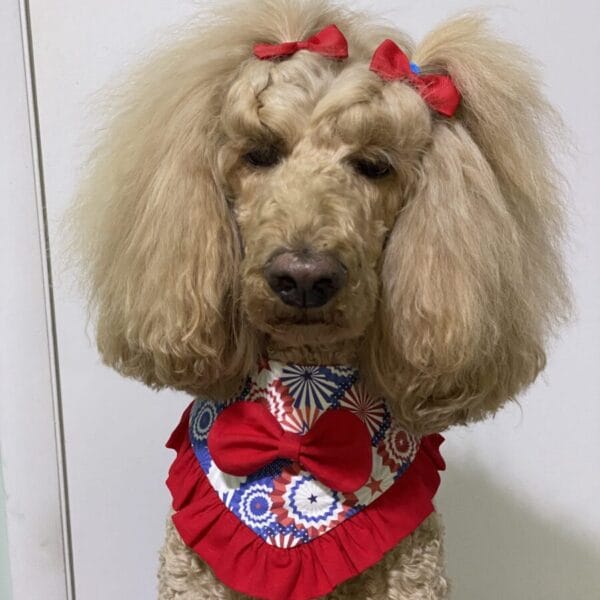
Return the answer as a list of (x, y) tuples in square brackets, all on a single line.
[(374, 485), (312, 499)]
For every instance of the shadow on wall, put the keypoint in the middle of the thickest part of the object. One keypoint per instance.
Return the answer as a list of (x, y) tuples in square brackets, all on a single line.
[(499, 549)]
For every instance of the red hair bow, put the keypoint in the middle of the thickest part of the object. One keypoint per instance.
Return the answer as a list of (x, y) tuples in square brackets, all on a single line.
[(439, 91), (337, 450), (329, 42)]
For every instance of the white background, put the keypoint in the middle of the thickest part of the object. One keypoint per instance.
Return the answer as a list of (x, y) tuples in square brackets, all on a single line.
[(28, 450), (521, 497)]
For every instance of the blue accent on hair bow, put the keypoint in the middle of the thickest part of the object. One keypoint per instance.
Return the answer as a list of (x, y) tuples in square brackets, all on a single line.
[(415, 68)]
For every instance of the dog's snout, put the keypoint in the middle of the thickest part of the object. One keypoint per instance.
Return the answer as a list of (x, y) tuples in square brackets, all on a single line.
[(305, 280)]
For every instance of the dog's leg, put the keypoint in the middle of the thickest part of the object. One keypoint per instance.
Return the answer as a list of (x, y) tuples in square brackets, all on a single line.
[(417, 569), (412, 571), (183, 575)]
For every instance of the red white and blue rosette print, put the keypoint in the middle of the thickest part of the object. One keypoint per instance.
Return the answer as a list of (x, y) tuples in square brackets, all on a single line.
[(305, 505), (371, 409), (282, 503)]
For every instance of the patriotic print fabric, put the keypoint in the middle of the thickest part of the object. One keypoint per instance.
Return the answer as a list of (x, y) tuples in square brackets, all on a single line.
[(282, 503)]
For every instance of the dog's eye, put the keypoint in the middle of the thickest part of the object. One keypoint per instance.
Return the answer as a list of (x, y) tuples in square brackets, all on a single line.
[(372, 169), (263, 156)]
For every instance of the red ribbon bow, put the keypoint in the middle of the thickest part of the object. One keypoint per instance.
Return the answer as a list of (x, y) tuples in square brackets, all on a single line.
[(329, 42), (439, 91), (337, 450)]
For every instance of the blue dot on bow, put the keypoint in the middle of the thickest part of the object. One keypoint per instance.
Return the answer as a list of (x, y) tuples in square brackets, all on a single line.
[(415, 68)]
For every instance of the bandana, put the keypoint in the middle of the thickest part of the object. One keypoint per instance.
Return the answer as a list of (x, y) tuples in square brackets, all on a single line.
[(268, 524)]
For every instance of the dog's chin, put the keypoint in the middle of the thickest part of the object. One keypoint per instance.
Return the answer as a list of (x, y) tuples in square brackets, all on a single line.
[(307, 333), (307, 327), (337, 322)]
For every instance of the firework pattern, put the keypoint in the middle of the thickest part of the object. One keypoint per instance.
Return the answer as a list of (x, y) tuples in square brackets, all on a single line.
[(282, 503)]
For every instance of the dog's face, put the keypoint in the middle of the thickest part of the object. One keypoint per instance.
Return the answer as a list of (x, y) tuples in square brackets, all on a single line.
[(318, 161), (234, 202)]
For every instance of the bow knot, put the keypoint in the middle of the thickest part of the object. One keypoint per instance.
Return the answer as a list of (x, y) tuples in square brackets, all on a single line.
[(290, 446), (336, 450), (328, 42), (439, 91)]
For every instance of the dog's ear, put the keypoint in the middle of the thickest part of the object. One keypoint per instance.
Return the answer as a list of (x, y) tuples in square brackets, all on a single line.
[(472, 281), (155, 234)]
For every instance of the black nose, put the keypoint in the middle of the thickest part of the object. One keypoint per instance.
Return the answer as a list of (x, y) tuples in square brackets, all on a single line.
[(305, 280)]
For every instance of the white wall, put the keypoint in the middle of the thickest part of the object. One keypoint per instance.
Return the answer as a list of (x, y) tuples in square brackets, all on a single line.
[(28, 447), (521, 494)]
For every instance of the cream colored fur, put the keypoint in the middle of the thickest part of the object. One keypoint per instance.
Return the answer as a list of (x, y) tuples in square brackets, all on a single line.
[(454, 268)]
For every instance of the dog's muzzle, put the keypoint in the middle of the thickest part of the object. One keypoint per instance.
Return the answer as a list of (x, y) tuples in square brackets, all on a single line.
[(305, 279)]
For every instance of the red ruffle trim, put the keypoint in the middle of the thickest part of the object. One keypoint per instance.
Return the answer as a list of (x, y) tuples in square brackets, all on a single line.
[(245, 562)]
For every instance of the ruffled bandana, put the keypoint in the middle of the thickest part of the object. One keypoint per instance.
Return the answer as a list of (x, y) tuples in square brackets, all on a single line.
[(299, 482)]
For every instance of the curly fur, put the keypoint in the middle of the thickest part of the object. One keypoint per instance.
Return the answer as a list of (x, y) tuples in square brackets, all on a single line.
[(454, 268)]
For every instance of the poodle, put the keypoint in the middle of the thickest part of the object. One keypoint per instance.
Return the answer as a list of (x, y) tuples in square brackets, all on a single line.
[(260, 198)]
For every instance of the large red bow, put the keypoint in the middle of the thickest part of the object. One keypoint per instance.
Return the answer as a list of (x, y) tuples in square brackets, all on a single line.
[(337, 450), (329, 42), (439, 91)]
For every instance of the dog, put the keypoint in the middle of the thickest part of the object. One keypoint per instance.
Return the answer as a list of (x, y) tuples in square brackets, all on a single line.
[(254, 197)]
